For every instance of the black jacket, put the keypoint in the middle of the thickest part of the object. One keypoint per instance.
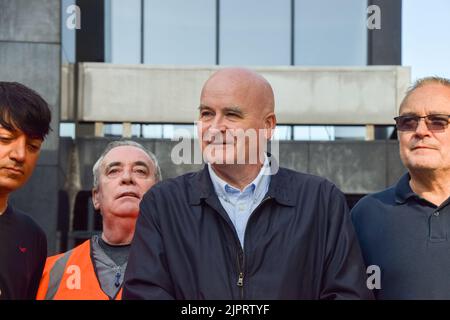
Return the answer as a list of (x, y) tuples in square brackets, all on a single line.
[(299, 244)]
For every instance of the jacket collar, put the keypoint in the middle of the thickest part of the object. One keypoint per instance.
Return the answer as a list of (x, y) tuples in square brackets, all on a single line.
[(201, 187)]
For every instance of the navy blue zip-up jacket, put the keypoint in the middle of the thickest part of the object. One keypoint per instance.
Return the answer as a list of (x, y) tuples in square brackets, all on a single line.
[(299, 244)]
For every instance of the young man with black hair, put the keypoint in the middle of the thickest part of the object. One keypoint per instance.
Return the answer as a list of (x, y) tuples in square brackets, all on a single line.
[(24, 123)]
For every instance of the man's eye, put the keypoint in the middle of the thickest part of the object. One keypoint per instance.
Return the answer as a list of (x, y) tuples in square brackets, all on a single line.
[(34, 147), (112, 171), (439, 120), (5, 139), (409, 120), (205, 113)]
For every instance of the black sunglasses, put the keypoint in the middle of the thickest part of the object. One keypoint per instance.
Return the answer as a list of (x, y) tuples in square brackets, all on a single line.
[(434, 122)]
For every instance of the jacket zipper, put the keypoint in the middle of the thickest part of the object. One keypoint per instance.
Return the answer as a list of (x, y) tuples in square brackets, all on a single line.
[(240, 256), (240, 282), (117, 276), (240, 263)]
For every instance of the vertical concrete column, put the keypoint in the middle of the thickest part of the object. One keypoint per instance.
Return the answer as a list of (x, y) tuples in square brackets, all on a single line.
[(30, 53), (90, 47), (385, 44)]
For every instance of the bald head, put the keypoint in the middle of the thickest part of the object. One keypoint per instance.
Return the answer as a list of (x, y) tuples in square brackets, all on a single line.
[(245, 83), (235, 101)]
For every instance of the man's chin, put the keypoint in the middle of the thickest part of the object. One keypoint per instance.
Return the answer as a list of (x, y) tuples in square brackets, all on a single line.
[(8, 184), (127, 208), (127, 213), (220, 161), (422, 166)]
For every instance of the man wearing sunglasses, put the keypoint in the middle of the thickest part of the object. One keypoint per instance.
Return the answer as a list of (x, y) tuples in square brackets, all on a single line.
[(405, 229)]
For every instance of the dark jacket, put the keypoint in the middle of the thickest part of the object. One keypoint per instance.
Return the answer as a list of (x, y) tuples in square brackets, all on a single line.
[(299, 244)]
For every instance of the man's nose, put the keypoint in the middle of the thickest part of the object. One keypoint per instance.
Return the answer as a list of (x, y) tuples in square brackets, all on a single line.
[(422, 128), (127, 177), (18, 149), (215, 128), (218, 124)]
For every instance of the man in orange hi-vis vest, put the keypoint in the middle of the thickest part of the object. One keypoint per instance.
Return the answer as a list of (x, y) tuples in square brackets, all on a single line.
[(94, 270)]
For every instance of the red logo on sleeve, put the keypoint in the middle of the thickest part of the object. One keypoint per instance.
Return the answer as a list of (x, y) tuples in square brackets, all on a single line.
[(22, 249)]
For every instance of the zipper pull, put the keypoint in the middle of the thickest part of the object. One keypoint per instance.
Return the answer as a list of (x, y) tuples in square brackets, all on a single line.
[(240, 281), (117, 284)]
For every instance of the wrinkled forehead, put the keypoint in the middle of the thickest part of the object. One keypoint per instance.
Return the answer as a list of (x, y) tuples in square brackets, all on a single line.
[(428, 99), (127, 155)]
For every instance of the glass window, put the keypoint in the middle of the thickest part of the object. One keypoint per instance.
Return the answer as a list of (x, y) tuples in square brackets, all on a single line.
[(67, 129), (283, 132), (154, 131), (179, 130), (113, 130), (67, 35), (350, 132), (123, 31), (314, 133), (254, 32), (330, 32), (136, 130), (180, 32)]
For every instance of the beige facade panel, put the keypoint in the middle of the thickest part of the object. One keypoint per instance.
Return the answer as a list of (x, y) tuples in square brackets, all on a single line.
[(304, 95)]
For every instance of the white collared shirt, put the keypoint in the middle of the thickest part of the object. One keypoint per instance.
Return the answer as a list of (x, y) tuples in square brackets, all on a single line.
[(240, 205)]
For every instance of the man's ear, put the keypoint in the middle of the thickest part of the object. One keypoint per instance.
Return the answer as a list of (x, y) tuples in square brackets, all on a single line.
[(270, 121), (95, 198)]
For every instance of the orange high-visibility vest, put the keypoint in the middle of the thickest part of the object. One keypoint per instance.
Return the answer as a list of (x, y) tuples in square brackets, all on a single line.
[(71, 276)]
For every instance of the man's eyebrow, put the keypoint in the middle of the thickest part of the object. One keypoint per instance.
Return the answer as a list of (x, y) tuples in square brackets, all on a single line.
[(120, 164), (203, 107), (141, 163), (438, 112), (113, 164), (412, 113), (408, 114), (235, 109), (11, 129)]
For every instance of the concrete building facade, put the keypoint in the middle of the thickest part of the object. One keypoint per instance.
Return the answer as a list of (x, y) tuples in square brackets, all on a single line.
[(35, 42)]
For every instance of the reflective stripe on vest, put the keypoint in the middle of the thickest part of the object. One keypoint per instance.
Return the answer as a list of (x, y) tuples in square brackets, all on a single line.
[(56, 275)]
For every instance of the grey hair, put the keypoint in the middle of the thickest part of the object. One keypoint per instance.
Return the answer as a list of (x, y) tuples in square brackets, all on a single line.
[(422, 82), (120, 143)]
